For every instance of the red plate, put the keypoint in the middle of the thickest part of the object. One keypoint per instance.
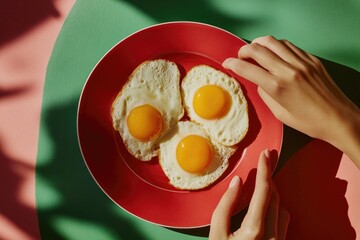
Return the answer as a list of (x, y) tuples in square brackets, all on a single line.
[(141, 188)]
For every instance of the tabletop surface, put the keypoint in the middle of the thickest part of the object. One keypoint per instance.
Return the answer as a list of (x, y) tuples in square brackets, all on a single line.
[(47, 191)]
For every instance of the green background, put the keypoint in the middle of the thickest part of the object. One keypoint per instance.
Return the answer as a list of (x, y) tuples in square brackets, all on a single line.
[(69, 203)]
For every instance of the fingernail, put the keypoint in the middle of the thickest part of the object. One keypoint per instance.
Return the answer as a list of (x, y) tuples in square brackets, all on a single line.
[(267, 153), (234, 181), (226, 62)]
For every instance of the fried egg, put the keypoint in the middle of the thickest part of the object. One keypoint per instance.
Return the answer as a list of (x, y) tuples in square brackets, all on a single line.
[(190, 159), (216, 102), (147, 107)]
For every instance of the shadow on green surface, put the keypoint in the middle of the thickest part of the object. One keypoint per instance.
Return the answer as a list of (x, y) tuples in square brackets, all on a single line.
[(189, 10), (80, 202)]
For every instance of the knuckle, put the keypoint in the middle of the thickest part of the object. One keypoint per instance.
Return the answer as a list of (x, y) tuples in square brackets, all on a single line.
[(307, 68), (285, 41), (278, 87), (296, 74), (266, 39), (254, 47), (269, 38), (317, 63)]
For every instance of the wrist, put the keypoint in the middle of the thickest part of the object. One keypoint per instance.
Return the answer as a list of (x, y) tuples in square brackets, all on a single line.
[(347, 136)]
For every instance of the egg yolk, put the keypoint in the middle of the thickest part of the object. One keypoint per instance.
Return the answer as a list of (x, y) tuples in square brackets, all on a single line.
[(144, 122), (194, 153), (211, 102)]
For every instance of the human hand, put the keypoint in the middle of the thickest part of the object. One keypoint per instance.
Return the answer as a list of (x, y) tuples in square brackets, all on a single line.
[(300, 92), (264, 219)]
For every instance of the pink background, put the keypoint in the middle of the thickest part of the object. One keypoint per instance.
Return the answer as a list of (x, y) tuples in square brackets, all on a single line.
[(28, 33)]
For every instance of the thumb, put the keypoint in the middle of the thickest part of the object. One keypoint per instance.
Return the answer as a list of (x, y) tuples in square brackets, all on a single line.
[(221, 218)]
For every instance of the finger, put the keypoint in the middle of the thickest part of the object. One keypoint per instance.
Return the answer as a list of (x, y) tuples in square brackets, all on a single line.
[(271, 222), (220, 220), (301, 53), (249, 71), (255, 216), (283, 50), (283, 224), (265, 57)]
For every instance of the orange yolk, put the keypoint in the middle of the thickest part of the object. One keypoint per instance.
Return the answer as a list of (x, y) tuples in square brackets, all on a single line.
[(211, 102), (194, 153), (144, 122)]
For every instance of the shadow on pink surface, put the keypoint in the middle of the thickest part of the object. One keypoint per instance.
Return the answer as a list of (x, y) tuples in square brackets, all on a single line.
[(21, 77), (13, 207), (19, 16), (13, 92), (314, 196)]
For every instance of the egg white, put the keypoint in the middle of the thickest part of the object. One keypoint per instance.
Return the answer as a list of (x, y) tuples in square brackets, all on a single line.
[(156, 83), (182, 179), (231, 128)]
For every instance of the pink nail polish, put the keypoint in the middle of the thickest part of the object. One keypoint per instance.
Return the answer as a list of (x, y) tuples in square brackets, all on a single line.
[(267, 153), (234, 181)]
